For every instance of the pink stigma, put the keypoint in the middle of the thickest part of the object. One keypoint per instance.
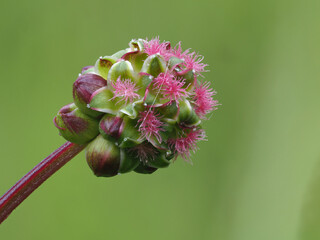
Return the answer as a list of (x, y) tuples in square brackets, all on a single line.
[(203, 101), (125, 90), (183, 145), (162, 79), (170, 87), (150, 125), (194, 61), (145, 152), (154, 46), (177, 52)]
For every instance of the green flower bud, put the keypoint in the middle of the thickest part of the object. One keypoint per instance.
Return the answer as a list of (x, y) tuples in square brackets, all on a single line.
[(160, 161), (121, 69), (136, 59), (129, 133), (187, 115), (174, 62), (189, 77), (136, 45), (128, 162), (154, 65), (76, 126)]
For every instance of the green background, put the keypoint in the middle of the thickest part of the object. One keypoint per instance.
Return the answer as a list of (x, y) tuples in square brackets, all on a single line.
[(257, 178)]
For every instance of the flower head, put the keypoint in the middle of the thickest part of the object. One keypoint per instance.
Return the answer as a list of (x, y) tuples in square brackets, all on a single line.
[(203, 101), (125, 90), (145, 106)]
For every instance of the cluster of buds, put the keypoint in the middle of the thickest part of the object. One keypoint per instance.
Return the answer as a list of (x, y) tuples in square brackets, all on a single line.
[(138, 109)]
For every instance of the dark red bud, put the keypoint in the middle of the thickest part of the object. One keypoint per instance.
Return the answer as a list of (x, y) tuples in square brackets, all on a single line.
[(86, 84), (103, 157), (110, 126), (83, 88), (76, 126)]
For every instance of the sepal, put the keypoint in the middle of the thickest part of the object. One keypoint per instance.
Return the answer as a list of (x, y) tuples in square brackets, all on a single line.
[(104, 64)]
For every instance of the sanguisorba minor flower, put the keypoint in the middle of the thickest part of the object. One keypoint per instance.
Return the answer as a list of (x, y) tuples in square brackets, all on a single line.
[(135, 110), (139, 108)]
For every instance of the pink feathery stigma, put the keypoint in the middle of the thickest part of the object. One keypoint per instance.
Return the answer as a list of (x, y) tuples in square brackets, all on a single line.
[(174, 90), (161, 80), (183, 145), (194, 61), (171, 87), (203, 101), (125, 90), (150, 125), (145, 152), (154, 46), (178, 52)]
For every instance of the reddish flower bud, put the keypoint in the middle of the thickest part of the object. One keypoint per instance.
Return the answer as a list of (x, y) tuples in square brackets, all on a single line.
[(110, 126), (83, 88), (76, 126), (103, 157)]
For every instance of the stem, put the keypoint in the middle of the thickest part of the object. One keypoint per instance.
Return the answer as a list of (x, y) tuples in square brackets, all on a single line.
[(32, 180)]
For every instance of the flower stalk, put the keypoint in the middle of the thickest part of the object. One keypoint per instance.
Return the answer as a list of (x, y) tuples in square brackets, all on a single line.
[(32, 180)]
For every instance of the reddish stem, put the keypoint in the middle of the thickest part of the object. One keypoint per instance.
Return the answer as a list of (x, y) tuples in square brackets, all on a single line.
[(32, 180)]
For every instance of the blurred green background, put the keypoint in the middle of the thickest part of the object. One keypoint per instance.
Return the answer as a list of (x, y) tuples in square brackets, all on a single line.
[(257, 178)]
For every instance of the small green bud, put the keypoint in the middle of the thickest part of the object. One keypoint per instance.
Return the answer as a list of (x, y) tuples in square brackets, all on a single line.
[(121, 69), (174, 61), (136, 58), (128, 162), (129, 134), (187, 115), (189, 78), (160, 161), (136, 45), (154, 65), (76, 126)]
